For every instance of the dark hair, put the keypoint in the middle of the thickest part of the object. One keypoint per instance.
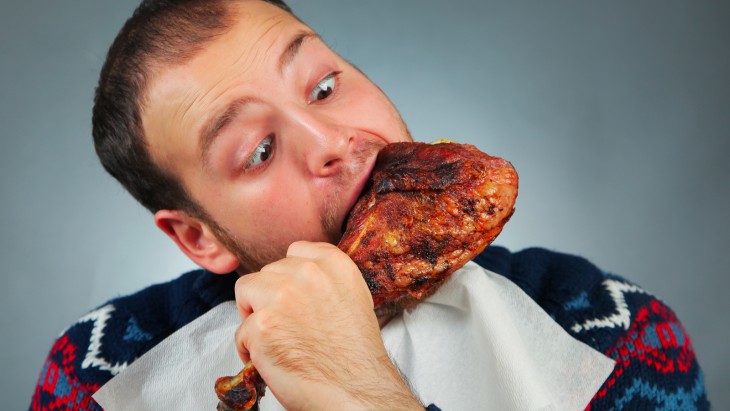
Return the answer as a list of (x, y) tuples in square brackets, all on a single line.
[(159, 33)]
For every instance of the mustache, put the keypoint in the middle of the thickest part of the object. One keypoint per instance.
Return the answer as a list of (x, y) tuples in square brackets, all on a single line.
[(332, 221)]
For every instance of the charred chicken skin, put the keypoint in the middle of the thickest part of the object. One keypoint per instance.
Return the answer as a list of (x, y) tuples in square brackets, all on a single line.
[(428, 210), (240, 392)]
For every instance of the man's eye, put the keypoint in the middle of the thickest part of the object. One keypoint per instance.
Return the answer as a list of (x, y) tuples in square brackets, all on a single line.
[(262, 153), (323, 89)]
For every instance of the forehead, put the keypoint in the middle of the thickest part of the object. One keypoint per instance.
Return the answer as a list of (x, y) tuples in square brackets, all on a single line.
[(180, 99)]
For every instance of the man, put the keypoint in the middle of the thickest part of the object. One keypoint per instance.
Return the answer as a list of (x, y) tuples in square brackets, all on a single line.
[(250, 140)]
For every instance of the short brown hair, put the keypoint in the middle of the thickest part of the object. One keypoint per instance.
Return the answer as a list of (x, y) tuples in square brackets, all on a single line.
[(160, 32)]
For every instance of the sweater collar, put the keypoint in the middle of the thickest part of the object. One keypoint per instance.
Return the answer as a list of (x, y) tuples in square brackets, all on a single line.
[(215, 288)]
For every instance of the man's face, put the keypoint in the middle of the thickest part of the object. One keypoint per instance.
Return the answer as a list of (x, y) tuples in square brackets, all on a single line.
[(271, 132)]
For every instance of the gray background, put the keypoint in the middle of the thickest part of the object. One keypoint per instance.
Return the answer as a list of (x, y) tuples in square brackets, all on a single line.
[(615, 113)]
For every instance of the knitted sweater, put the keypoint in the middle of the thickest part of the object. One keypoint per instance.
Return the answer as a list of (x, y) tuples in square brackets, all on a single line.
[(655, 368)]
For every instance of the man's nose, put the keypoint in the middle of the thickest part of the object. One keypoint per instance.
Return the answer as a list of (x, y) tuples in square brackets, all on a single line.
[(323, 143)]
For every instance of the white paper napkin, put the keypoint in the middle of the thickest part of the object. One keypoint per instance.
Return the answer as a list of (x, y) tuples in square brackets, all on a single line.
[(479, 343)]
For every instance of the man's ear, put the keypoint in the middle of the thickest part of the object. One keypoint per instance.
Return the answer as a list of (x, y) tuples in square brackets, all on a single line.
[(196, 240)]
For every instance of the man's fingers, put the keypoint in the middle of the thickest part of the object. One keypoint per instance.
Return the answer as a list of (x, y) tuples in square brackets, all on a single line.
[(242, 343), (255, 290), (312, 274), (307, 249), (327, 256), (258, 290), (285, 265)]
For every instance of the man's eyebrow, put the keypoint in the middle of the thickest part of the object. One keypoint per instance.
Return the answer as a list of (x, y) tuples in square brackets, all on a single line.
[(217, 124), (293, 48)]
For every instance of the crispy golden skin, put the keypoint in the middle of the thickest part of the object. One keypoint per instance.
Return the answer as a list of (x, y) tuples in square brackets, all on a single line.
[(430, 208)]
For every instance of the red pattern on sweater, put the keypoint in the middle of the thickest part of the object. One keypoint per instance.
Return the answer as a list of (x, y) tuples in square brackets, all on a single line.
[(58, 381)]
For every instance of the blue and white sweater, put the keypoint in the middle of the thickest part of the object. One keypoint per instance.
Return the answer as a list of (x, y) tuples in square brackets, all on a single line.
[(655, 368)]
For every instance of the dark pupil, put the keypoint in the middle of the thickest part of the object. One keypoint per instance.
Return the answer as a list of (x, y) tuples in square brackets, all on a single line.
[(266, 153), (324, 93)]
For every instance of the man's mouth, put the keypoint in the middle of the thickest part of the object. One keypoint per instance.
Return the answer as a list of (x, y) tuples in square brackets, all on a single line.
[(366, 187), (363, 184)]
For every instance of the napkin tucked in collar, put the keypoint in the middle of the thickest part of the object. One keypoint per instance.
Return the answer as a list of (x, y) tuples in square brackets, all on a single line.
[(478, 343)]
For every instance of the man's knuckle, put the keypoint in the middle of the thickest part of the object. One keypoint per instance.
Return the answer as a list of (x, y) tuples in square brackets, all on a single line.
[(309, 268), (259, 323), (281, 295), (240, 291), (295, 246)]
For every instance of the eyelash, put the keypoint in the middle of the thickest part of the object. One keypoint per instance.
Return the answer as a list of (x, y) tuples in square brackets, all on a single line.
[(252, 168), (335, 75)]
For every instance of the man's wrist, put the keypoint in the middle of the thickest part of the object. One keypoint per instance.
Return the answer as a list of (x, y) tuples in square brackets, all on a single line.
[(380, 386), (402, 396)]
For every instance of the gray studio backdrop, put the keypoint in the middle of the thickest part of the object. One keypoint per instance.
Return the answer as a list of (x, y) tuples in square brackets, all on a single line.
[(615, 113)]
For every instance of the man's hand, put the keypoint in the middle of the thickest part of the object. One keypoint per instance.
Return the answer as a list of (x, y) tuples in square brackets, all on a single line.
[(310, 330)]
